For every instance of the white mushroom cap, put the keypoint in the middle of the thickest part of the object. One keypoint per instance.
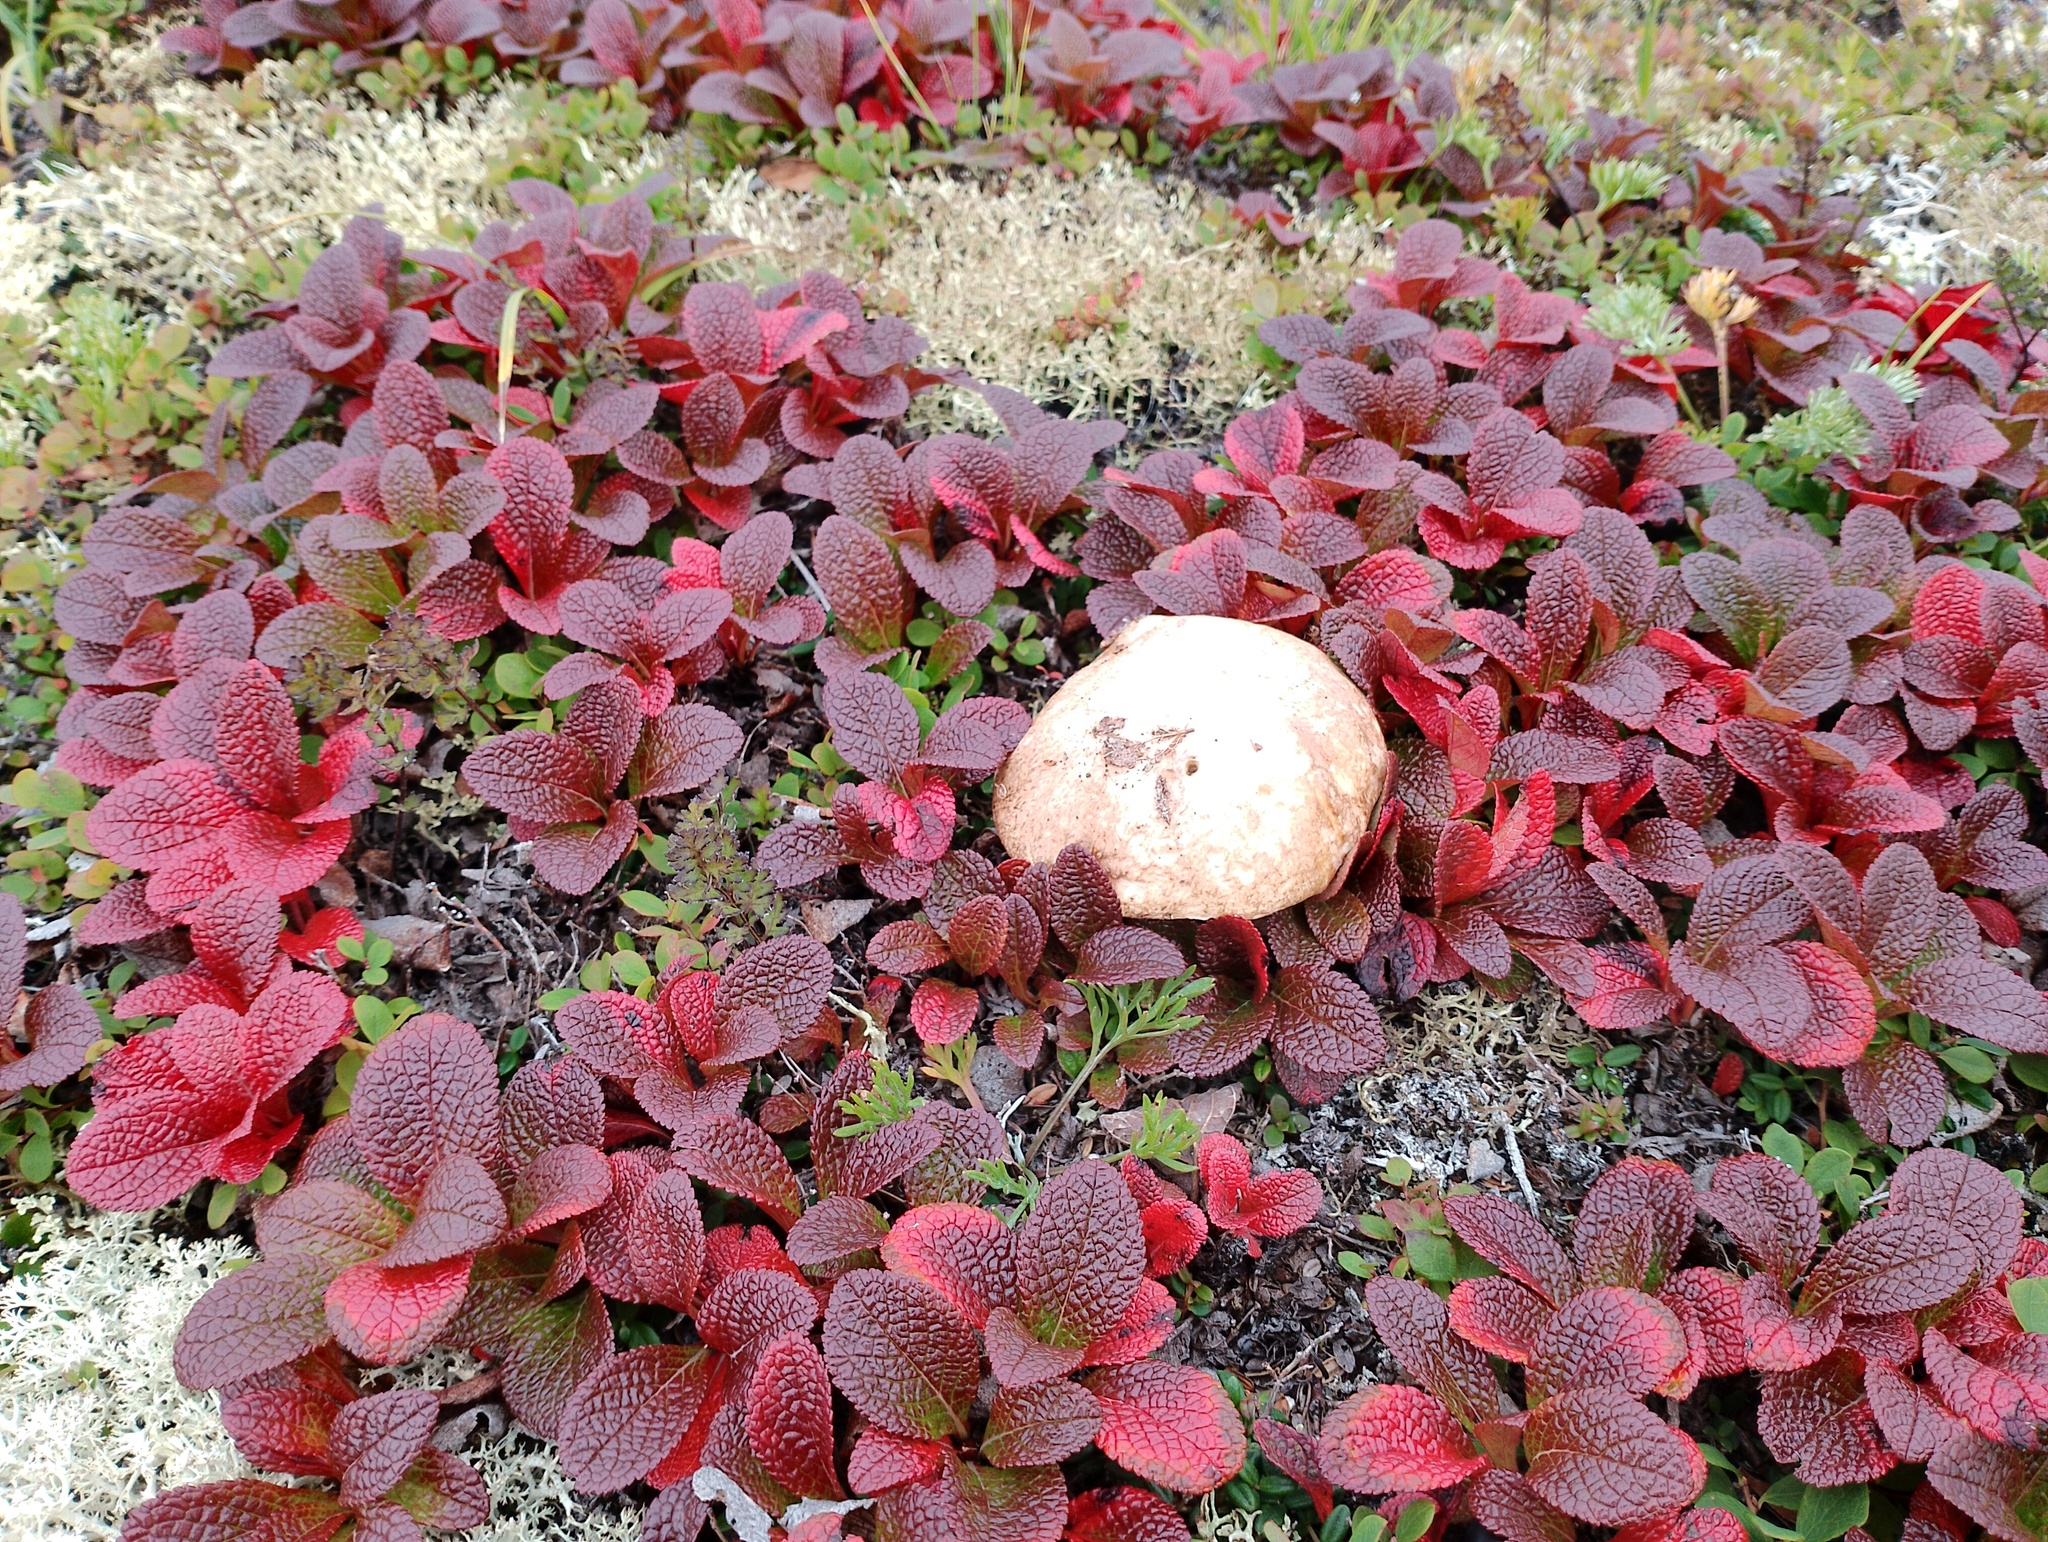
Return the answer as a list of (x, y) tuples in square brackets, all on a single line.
[(1214, 767)]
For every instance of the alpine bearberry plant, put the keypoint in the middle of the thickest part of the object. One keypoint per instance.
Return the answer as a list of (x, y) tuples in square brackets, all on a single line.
[(1597, 1331)]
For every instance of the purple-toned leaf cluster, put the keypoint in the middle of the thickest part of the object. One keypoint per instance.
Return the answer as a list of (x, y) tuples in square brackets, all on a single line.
[(837, 1345), (792, 65)]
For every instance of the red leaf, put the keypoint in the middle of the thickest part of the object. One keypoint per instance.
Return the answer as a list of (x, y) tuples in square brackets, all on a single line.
[(905, 947), (1326, 1022), (1274, 1204), (1970, 1196), (837, 1226), (1774, 1337), (1145, 1326), (1996, 1486), (1714, 1297), (1415, 1326), (882, 1461), (627, 1415), (375, 1439), (1169, 1424), (1657, 1195), (428, 1091), (1123, 1515), (902, 1354), (739, 1156), (254, 1320), (1509, 1508), (1124, 955), (1699, 1524), (1084, 901), (1598, 1454), (388, 1315), (750, 1308), (1897, 1262), (941, 1011), (1897, 1092), (1500, 1316), (1395, 1439), (1819, 1418), (962, 1251), (665, 1240), (1018, 1359), (1294, 1452), (874, 727), (1080, 1256), (787, 977), (1507, 1236), (240, 1510), (1768, 1209), (1609, 1336), (789, 1418), (1037, 1425)]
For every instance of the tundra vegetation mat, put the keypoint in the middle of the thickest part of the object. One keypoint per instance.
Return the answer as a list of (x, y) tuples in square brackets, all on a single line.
[(531, 531)]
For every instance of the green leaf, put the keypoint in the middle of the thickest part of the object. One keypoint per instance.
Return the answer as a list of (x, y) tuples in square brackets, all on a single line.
[(555, 1000), (2031, 1070), (1827, 1513), (1431, 1256), (1398, 1172), (514, 676), (1843, 1135), (1827, 1167), (1753, 1523), (221, 1205), (1786, 1147), (1416, 1519), (373, 1017), (1968, 1062), (38, 1159), (1355, 1264), (2029, 1298)]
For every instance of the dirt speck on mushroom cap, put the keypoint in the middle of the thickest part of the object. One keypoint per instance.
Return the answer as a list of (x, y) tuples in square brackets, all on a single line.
[(1214, 767)]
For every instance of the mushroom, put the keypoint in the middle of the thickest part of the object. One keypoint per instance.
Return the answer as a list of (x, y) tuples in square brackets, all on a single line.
[(1213, 767)]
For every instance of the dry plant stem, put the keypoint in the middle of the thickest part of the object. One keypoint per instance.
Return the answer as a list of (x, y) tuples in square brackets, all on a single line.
[(1059, 1109), (1721, 365)]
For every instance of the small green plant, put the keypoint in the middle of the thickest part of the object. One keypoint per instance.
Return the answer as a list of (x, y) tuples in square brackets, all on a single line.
[(1829, 424), (953, 1064), (717, 900), (375, 1019), (54, 861), (220, 1204), (1303, 31), (576, 139), (1625, 181), (32, 31), (1638, 316), (419, 72), (1283, 1120), (891, 1100), (1165, 1134), (1017, 1184), (1121, 1018), (372, 953), (123, 388), (37, 1131), (1597, 1066)]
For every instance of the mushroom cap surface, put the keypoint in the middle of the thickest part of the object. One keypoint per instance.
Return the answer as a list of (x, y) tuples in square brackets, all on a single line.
[(1214, 767)]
